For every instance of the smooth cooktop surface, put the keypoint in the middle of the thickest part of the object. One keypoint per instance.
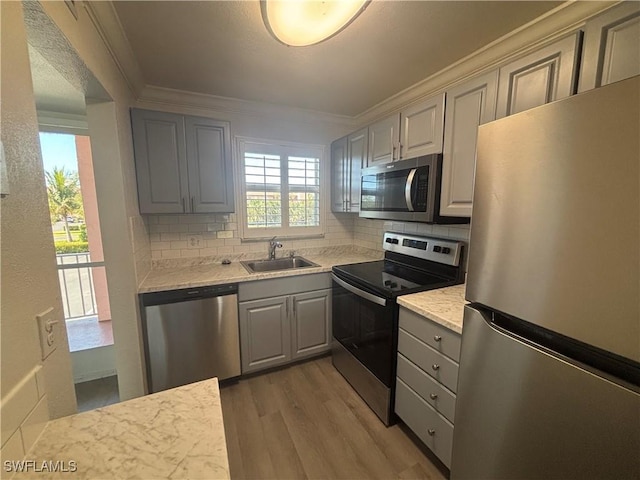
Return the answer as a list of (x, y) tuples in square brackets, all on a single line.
[(389, 278)]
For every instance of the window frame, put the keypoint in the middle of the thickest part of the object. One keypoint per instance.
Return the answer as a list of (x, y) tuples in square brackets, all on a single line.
[(284, 150)]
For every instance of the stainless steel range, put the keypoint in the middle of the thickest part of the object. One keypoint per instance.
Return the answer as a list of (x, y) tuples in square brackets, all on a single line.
[(365, 311)]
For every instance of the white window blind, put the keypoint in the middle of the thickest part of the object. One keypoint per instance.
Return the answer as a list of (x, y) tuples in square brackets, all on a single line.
[(281, 189)]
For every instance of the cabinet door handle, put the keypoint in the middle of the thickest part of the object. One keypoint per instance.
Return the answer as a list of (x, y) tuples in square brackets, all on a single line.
[(437, 338), (184, 204), (293, 302), (431, 432), (286, 303), (435, 367), (393, 152), (192, 202), (399, 151), (433, 396)]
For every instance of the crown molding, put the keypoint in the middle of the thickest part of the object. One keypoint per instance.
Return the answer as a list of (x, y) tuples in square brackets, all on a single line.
[(556, 23), (161, 96), (563, 20), (104, 18)]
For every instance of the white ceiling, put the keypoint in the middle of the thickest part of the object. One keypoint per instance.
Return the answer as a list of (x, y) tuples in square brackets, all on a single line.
[(223, 48)]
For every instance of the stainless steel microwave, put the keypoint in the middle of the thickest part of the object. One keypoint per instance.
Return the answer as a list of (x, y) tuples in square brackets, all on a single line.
[(407, 190)]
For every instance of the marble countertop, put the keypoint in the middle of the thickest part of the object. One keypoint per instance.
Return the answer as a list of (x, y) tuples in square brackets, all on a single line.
[(189, 276), (444, 305), (177, 434)]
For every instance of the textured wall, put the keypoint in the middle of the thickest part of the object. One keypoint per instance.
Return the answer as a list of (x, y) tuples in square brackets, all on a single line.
[(76, 49), (29, 282)]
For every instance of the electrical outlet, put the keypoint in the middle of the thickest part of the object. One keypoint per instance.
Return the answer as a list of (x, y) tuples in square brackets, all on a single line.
[(47, 331), (194, 241)]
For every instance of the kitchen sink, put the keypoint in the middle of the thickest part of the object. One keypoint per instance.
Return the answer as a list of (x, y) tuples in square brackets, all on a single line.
[(289, 263)]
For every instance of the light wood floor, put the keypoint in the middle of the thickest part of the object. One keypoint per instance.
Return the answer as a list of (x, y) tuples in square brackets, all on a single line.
[(305, 421)]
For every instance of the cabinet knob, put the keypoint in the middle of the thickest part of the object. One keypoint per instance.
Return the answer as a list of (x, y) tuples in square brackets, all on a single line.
[(437, 338), (431, 432), (435, 367), (433, 396)]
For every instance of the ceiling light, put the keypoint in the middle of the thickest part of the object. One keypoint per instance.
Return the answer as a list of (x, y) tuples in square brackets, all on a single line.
[(305, 22)]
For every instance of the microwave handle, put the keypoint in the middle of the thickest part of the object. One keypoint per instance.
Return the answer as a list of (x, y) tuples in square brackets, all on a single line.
[(407, 189)]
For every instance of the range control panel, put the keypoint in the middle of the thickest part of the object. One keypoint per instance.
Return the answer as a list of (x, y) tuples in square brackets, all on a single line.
[(429, 248)]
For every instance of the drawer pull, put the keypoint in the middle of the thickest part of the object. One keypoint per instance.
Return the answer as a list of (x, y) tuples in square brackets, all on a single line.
[(437, 338), (435, 367), (433, 396), (431, 432)]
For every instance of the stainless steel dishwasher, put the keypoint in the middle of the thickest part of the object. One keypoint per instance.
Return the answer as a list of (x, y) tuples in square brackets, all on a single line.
[(190, 335)]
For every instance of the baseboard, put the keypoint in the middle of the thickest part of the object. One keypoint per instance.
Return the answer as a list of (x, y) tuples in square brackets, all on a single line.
[(93, 363)]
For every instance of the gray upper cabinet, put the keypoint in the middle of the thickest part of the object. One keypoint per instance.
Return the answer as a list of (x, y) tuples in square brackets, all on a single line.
[(468, 106), (311, 325), (383, 141), (339, 175), (611, 46), (161, 162), (348, 155), (357, 148), (183, 163), (421, 128), (541, 77), (209, 164), (415, 131)]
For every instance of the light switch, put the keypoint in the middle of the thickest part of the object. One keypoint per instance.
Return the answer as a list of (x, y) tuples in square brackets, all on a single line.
[(48, 332)]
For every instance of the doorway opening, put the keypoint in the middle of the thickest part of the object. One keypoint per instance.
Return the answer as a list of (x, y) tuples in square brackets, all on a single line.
[(77, 239)]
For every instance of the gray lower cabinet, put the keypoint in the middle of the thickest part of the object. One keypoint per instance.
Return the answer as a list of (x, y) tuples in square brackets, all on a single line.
[(311, 323), (264, 333), (611, 46), (426, 382), (183, 163), (292, 325)]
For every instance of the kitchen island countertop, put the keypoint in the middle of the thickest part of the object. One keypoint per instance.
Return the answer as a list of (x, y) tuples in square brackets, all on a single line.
[(177, 434), (444, 306)]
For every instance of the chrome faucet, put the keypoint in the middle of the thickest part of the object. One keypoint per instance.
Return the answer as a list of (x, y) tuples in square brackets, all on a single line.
[(273, 244)]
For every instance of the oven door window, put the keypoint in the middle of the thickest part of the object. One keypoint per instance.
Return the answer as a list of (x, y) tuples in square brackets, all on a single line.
[(366, 330), (396, 191)]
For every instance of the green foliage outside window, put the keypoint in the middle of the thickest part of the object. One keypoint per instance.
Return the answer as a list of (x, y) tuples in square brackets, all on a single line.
[(303, 211)]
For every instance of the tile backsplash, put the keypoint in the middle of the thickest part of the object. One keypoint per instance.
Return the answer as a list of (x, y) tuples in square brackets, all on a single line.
[(175, 237), (185, 236), (368, 232)]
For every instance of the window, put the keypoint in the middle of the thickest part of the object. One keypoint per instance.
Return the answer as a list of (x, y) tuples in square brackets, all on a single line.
[(280, 188)]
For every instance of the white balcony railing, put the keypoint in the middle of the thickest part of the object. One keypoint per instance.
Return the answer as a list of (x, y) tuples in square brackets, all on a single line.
[(75, 272)]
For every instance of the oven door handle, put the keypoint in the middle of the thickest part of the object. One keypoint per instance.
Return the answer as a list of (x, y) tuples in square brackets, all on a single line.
[(361, 293), (407, 189)]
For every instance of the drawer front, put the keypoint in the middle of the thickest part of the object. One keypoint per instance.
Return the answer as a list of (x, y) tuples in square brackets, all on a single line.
[(274, 287), (431, 391), (436, 365), (432, 428), (436, 336)]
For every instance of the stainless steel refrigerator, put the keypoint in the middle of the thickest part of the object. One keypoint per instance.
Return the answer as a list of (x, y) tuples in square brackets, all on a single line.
[(549, 368)]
